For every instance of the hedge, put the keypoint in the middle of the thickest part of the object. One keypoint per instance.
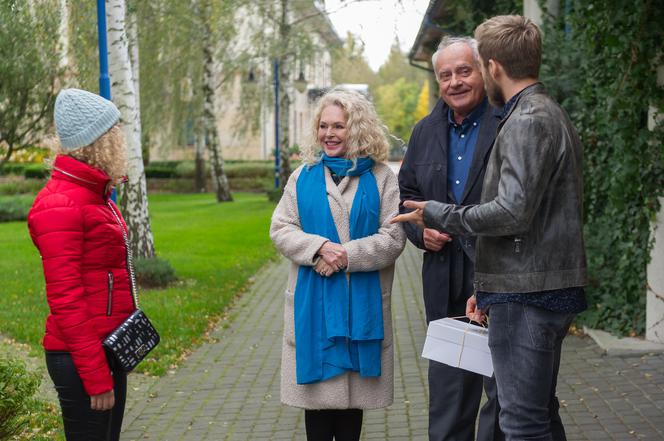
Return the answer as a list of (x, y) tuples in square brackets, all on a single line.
[(15, 208)]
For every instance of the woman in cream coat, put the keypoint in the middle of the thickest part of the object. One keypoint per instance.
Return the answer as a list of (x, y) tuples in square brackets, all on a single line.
[(333, 224)]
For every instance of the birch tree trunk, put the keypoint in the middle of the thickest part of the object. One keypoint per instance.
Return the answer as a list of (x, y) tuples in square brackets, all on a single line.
[(284, 125), (284, 101), (219, 179), (134, 201), (199, 151), (63, 34)]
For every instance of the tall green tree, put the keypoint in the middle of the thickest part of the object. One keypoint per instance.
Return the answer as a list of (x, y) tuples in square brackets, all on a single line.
[(396, 94), (29, 72), (395, 104), (351, 66), (210, 132), (462, 16), (396, 66)]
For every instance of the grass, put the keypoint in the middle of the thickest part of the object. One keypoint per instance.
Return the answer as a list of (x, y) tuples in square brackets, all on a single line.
[(214, 248)]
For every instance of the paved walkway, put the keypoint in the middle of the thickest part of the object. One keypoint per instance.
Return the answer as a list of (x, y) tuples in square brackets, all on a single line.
[(229, 389)]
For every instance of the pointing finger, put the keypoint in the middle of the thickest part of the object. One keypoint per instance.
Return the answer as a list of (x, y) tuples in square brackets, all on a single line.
[(418, 205)]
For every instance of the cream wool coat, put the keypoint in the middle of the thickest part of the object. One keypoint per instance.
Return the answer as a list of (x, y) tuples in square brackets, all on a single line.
[(376, 252)]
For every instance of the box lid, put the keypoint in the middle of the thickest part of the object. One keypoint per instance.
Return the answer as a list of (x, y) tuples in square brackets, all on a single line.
[(459, 332)]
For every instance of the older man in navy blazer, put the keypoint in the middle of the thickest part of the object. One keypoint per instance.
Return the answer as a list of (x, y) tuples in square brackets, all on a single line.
[(445, 161)]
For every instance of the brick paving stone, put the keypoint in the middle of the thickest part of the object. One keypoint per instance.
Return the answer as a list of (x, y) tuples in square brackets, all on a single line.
[(228, 388)]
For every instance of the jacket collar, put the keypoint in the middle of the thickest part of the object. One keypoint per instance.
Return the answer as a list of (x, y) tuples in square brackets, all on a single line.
[(79, 173), (527, 91)]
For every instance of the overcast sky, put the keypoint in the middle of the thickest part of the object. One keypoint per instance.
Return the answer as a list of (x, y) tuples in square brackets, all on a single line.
[(376, 22)]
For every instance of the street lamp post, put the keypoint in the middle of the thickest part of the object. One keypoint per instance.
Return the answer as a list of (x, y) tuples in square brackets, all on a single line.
[(104, 78)]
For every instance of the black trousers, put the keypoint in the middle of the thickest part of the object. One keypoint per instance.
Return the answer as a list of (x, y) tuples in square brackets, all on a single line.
[(80, 421), (337, 424), (455, 394)]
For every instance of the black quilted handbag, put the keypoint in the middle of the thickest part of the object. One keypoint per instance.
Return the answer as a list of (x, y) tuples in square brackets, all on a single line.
[(130, 342)]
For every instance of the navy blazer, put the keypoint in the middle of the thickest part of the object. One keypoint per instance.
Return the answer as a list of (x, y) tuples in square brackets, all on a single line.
[(447, 275)]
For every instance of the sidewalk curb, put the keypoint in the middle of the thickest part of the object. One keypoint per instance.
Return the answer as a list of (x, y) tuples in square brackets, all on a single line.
[(628, 346)]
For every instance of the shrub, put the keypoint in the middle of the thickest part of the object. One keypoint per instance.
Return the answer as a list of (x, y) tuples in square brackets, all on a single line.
[(35, 171), (165, 164), (12, 168), (17, 388), (274, 194), (187, 169), (154, 273), (250, 170), (173, 185), (15, 208), (154, 171), (18, 185)]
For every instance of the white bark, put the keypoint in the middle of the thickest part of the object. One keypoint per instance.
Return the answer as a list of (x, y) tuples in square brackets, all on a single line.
[(63, 34), (132, 40), (134, 201), (284, 100)]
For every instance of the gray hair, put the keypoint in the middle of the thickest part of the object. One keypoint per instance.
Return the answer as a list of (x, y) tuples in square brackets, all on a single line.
[(448, 41)]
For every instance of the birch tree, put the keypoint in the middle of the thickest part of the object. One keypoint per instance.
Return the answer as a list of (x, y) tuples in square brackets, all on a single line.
[(63, 34), (209, 120), (134, 201)]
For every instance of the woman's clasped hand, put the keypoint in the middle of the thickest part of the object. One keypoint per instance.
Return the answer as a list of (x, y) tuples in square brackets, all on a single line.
[(332, 258)]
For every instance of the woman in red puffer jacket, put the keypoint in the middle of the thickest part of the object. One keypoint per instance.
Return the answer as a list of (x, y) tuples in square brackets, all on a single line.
[(81, 237)]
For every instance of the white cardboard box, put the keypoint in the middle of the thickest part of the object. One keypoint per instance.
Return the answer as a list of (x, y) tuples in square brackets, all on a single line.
[(459, 344)]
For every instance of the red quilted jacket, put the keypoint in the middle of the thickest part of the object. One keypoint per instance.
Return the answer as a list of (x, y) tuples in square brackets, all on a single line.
[(72, 223)]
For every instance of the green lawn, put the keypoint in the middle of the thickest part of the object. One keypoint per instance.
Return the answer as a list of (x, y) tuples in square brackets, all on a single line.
[(214, 248)]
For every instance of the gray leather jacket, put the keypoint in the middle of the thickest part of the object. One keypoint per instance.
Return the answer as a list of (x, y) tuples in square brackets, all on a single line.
[(529, 222)]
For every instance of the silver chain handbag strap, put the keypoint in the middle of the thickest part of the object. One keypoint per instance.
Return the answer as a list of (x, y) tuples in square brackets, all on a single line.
[(130, 264)]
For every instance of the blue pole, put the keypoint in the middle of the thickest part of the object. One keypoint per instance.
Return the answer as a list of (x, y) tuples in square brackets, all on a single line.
[(104, 78), (276, 123)]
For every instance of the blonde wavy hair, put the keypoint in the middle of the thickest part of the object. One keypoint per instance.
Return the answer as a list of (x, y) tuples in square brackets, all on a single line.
[(107, 153), (365, 134)]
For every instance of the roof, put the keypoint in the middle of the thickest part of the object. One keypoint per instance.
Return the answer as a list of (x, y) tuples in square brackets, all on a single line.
[(320, 22), (429, 34)]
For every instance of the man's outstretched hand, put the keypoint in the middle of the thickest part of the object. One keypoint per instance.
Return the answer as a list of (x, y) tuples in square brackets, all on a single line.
[(416, 216)]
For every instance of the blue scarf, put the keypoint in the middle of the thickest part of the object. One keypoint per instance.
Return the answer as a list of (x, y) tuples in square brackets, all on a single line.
[(338, 322)]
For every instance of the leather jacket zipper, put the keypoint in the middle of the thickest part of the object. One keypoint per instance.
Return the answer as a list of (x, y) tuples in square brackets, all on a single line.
[(517, 244), (110, 293)]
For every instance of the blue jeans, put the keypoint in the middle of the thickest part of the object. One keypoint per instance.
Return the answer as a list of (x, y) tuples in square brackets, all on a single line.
[(525, 343)]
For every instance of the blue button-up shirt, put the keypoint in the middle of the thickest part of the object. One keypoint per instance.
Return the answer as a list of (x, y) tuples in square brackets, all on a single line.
[(461, 140)]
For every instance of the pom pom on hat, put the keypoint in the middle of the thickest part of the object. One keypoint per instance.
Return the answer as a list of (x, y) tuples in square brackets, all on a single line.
[(81, 117)]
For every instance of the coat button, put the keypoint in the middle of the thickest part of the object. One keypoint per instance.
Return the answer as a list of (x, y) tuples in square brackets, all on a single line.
[(439, 167)]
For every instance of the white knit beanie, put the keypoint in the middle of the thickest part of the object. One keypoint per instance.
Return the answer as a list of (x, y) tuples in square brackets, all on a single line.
[(82, 117)]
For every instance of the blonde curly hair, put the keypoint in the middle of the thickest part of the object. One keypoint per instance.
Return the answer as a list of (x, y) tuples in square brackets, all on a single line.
[(365, 132), (107, 153)]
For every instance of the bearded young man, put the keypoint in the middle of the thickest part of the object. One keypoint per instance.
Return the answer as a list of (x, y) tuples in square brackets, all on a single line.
[(445, 161), (530, 266)]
